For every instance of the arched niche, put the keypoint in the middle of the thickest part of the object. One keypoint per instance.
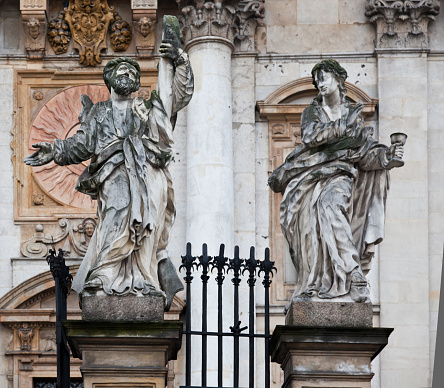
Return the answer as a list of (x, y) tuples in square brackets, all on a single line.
[(27, 314), (283, 109)]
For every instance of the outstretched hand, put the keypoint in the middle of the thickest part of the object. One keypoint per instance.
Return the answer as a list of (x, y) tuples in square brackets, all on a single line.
[(42, 156)]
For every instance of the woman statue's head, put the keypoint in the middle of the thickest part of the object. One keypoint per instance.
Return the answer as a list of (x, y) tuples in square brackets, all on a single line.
[(336, 70)]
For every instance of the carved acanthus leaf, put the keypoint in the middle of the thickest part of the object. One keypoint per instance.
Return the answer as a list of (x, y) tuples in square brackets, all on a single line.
[(402, 23), (232, 20)]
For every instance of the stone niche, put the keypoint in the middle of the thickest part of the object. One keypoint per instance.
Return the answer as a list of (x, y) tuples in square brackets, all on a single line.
[(283, 109), (27, 315), (46, 204)]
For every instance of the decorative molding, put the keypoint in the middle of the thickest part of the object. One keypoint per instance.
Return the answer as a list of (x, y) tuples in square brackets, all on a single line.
[(144, 4), (402, 23), (32, 5), (237, 23)]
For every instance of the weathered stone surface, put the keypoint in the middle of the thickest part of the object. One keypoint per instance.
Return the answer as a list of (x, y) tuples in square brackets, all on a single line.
[(123, 308), (329, 314)]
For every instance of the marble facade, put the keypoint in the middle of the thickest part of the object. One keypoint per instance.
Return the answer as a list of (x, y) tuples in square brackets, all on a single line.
[(257, 87)]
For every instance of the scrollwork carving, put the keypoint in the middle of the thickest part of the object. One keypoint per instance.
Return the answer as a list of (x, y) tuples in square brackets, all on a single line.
[(72, 238), (402, 23)]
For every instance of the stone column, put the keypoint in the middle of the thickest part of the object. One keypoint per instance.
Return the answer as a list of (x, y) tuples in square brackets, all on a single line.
[(212, 32), (402, 46)]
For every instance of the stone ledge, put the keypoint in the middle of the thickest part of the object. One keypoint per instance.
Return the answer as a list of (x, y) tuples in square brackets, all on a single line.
[(329, 314)]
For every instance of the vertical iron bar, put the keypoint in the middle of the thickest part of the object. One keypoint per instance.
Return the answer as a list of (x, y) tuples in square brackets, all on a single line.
[(268, 267), (188, 264), (219, 263), (251, 265), (235, 265), (204, 262)]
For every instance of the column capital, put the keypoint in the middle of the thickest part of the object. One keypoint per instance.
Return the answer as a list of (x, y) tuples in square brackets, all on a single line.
[(235, 20), (402, 24)]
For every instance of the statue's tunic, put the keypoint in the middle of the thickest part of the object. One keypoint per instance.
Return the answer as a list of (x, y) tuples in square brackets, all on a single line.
[(128, 176), (334, 192)]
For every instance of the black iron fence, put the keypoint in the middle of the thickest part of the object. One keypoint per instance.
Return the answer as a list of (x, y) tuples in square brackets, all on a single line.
[(238, 267), (63, 279)]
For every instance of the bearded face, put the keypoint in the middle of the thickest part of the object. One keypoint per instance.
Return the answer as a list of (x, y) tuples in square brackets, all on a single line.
[(124, 80)]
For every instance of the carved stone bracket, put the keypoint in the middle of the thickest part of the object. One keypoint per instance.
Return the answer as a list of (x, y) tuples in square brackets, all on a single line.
[(34, 25), (402, 23), (232, 20), (73, 238), (144, 25)]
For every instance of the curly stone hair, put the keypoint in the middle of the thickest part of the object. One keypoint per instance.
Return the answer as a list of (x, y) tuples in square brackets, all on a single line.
[(334, 67), (112, 66)]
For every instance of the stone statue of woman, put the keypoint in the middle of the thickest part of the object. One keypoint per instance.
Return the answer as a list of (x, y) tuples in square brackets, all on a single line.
[(334, 188), (129, 142)]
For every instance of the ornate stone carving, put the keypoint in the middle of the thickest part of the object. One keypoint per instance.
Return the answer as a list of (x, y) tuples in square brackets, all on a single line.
[(120, 33), (25, 334), (235, 21), (89, 22), (145, 29), (129, 142), (402, 23), (58, 118), (73, 238), (59, 34), (316, 182), (35, 31)]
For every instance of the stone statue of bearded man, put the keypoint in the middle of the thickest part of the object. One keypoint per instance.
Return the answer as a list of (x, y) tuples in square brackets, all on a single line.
[(129, 143)]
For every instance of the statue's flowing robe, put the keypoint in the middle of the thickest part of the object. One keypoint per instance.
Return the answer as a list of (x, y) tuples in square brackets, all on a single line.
[(334, 193), (128, 176)]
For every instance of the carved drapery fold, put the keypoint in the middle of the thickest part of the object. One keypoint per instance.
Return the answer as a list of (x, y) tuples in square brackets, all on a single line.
[(402, 23), (232, 20)]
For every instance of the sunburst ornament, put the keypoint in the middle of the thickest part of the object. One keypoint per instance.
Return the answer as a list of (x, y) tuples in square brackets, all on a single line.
[(58, 119)]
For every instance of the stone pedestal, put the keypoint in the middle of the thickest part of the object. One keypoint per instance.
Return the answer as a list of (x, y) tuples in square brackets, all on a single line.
[(325, 357), (124, 354), (329, 314), (123, 308)]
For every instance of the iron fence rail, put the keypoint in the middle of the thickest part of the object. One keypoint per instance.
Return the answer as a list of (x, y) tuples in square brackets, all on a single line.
[(238, 267)]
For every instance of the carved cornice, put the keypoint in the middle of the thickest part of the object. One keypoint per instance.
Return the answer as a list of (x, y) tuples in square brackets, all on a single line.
[(228, 19), (402, 23)]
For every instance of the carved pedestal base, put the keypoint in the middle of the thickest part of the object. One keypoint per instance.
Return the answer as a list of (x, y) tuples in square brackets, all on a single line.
[(329, 314), (148, 308), (126, 354), (327, 357)]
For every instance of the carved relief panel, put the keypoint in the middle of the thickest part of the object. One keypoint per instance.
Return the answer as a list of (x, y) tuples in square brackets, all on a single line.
[(283, 110), (46, 203)]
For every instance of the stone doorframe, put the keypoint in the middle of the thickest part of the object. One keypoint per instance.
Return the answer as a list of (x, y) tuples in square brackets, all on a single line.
[(283, 109)]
